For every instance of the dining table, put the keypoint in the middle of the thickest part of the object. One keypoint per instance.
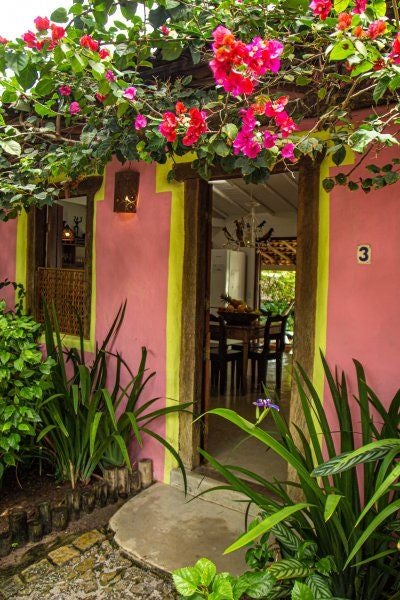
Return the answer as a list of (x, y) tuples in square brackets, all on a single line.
[(244, 334)]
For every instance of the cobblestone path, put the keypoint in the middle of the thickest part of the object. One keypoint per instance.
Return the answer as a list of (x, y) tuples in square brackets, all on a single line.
[(89, 567)]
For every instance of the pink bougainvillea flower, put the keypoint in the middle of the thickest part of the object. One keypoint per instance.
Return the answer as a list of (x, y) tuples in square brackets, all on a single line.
[(110, 76), (395, 52), (3, 40), (103, 53), (197, 126), (277, 106), (288, 152), (100, 97), (245, 141), (57, 32), (360, 6), (168, 126), (87, 41), (130, 93), (140, 122), (65, 90), (285, 123), (344, 21), (42, 23), (376, 28), (237, 66), (165, 30), (74, 108), (30, 39), (269, 139), (321, 8)]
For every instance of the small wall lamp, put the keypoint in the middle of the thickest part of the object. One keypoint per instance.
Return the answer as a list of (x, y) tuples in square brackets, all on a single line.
[(126, 191)]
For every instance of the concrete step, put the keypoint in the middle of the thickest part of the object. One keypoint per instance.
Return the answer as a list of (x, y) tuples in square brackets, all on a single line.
[(198, 483), (166, 530)]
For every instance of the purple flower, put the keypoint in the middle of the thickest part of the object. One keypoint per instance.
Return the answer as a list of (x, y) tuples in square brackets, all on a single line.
[(74, 108), (140, 122), (265, 403), (129, 93), (288, 152)]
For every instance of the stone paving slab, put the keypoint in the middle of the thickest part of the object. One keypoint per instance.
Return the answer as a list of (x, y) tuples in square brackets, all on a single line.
[(96, 570)]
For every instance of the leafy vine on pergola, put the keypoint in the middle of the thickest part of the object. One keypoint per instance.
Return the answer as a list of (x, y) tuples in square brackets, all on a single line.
[(231, 81)]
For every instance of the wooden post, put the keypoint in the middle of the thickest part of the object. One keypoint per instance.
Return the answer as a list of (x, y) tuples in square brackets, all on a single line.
[(123, 482), (73, 499), (35, 531), (43, 513), (134, 482), (88, 501), (18, 525), (145, 467), (5, 544), (59, 518), (111, 477), (100, 492)]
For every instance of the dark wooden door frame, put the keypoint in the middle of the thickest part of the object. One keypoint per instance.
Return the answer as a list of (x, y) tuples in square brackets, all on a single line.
[(195, 304), (87, 187)]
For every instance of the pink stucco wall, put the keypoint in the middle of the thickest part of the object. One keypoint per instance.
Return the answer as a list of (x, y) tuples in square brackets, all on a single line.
[(132, 252), (364, 300), (8, 240)]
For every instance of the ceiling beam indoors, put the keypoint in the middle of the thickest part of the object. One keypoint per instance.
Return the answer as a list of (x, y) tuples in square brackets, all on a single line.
[(251, 197), (226, 197), (280, 196)]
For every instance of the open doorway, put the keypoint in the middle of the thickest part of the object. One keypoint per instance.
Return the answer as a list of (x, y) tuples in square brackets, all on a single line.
[(249, 277)]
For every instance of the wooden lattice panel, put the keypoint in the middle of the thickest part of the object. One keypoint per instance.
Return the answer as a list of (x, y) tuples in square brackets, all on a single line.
[(279, 252), (66, 288)]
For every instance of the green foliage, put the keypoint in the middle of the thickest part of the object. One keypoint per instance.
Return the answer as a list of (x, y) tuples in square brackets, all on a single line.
[(347, 517), (24, 379), (85, 426), (278, 291), (324, 69)]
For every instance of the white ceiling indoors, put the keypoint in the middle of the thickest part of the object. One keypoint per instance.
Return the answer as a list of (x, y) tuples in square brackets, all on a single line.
[(232, 198)]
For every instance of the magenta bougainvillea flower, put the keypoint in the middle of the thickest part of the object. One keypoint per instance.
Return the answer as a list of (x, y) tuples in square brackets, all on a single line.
[(64, 90), (74, 108), (191, 121), (130, 93), (140, 122), (288, 152), (321, 8), (87, 41), (360, 6), (110, 76), (42, 23)]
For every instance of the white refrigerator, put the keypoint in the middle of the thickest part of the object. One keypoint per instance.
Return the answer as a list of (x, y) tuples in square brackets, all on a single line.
[(228, 276)]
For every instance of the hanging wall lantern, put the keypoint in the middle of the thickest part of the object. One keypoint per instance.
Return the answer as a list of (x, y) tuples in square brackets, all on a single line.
[(126, 191)]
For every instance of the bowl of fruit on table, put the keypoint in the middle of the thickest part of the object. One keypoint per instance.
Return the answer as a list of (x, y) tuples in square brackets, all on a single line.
[(237, 312)]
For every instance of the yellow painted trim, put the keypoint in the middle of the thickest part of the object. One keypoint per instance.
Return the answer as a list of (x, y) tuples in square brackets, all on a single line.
[(71, 341), (174, 304), (321, 313)]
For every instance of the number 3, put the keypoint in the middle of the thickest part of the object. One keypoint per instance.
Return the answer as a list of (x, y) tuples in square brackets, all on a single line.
[(364, 254)]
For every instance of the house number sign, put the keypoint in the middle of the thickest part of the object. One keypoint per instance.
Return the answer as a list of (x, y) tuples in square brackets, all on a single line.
[(364, 254)]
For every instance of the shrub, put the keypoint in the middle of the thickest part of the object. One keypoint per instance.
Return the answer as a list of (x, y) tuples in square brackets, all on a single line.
[(24, 378)]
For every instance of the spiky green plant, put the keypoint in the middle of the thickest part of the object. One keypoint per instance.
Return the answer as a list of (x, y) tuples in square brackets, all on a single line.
[(334, 513)]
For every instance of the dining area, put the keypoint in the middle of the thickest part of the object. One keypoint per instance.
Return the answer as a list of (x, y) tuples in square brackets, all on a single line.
[(241, 342)]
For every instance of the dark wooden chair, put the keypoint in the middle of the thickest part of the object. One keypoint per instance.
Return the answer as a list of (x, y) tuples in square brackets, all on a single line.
[(272, 348), (221, 356)]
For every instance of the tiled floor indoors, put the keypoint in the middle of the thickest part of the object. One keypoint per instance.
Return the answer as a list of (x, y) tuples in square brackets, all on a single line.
[(229, 445)]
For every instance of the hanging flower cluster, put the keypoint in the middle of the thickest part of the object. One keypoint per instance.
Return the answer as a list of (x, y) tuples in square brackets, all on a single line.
[(237, 66), (47, 36), (322, 8), (191, 122), (251, 138)]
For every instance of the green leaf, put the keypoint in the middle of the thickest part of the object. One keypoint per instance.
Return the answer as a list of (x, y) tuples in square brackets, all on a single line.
[(221, 589), (328, 184), (339, 156), (265, 525), (340, 5), (319, 586), (11, 147), (301, 591), (289, 568), (44, 87), (342, 50), (186, 580), (256, 585), (331, 504), (231, 130), (171, 51), (220, 148), (207, 571), (27, 77), (60, 15), (380, 88)]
